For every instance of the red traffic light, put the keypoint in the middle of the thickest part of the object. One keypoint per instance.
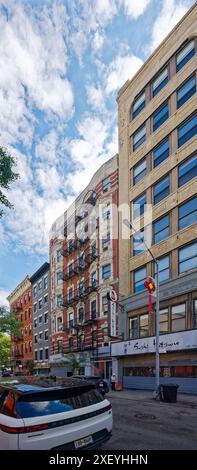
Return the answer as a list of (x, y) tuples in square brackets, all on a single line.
[(150, 285)]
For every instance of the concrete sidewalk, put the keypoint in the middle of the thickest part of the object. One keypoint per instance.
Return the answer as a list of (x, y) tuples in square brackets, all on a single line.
[(147, 395)]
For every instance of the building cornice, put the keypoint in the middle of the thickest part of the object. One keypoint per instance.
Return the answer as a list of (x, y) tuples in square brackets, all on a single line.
[(19, 290)]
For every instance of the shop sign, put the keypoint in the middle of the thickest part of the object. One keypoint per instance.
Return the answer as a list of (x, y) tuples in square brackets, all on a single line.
[(170, 342)]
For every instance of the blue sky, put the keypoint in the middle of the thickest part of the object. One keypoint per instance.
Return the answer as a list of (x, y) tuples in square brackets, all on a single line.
[(61, 65)]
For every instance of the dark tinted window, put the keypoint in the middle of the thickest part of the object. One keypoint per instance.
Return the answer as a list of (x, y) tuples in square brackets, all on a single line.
[(45, 404)]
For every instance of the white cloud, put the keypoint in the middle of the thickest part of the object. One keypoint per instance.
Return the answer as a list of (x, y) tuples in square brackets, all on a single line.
[(98, 41), (33, 64), (171, 13), (135, 8), (3, 298), (96, 98), (120, 70), (46, 147)]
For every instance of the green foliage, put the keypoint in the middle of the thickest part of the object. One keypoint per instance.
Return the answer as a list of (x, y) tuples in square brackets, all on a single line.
[(74, 362), (9, 323), (30, 365), (7, 176), (4, 350)]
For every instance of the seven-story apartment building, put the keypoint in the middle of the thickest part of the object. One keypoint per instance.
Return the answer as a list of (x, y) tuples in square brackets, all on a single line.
[(84, 267), (158, 167)]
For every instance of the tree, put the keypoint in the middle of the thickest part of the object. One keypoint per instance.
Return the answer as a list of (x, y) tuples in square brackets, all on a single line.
[(4, 350), (7, 176), (9, 323), (30, 366), (74, 362)]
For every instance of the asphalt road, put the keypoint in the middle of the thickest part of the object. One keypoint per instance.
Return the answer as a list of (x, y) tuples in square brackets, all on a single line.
[(141, 423)]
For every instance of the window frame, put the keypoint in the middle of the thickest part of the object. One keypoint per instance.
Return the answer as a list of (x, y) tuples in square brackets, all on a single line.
[(156, 125)]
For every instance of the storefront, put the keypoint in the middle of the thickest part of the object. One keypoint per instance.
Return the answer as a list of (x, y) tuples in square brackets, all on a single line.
[(134, 361)]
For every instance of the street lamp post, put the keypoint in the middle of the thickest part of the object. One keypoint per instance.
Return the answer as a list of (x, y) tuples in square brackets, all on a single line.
[(157, 365)]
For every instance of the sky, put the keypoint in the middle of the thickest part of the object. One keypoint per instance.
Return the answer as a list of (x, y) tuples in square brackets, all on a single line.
[(62, 63)]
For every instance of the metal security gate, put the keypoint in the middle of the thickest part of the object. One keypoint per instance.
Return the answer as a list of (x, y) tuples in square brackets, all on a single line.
[(186, 384)]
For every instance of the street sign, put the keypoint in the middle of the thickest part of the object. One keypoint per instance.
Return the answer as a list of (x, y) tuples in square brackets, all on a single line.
[(112, 318)]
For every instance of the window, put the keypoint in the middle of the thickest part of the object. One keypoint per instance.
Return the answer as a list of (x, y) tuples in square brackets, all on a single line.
[(185, 55), (161, 229), (93, 309), (139, 104), (139, 171), (188, 257), (81, 287), (35, 307), (161, 189), (40, 335), (105, 305), (160, 81), (94, 339), (36, 355), (46, 335), (71, 269), (46, 353), (59, 255), (138, 242), (188, 170), (188, 213), (105, 336), (139, 279), (187, 130), (133, 328), (106, 271), (35, 339), (81, 262), (164, 268), (59, 300), (178, 317), (161, 152), (35, 290), (40, 285), (46, 317), (81, 315), (94, 250), (71, 344), (106, 241), (186, 91), (29, 312), (163, 321), (40, 319), (161, 115), (139, 206), (71, 320), (139, 137), (106, 184), (144, 326), (195, 313), (46, 299), (80, 342), (93, 279), (41, 354), (59, 277), (45, 282), (25, 314), (35, 323), (70, 294), (40, 303), (59, 324)]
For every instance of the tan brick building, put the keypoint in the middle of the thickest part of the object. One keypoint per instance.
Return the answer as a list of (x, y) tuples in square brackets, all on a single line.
[(158, 167)]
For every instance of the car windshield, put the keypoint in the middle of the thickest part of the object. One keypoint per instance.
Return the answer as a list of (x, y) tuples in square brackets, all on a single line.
[(44, 403)]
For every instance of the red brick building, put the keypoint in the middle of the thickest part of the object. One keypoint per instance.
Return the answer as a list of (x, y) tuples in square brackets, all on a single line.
[(84, 268), (22, 346)]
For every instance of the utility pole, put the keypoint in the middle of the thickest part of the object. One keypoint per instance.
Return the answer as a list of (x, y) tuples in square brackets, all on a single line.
[(157, 359)]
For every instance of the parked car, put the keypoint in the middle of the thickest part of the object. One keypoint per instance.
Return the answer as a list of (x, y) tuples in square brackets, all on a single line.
[(54, 415), (6, 374), (100, 383)]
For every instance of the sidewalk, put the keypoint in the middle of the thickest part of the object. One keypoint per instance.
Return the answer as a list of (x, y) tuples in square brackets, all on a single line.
[(147, 395)]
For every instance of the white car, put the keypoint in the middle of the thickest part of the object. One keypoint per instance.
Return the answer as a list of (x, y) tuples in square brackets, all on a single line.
[(59, 417)]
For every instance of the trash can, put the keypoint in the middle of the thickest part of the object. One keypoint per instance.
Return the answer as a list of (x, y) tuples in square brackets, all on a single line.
[(168, 392)]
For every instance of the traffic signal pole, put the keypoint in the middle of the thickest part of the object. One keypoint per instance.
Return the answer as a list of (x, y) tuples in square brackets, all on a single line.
[(157, 359)]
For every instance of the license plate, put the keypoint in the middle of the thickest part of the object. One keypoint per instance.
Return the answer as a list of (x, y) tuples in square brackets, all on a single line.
[(83, 442)]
